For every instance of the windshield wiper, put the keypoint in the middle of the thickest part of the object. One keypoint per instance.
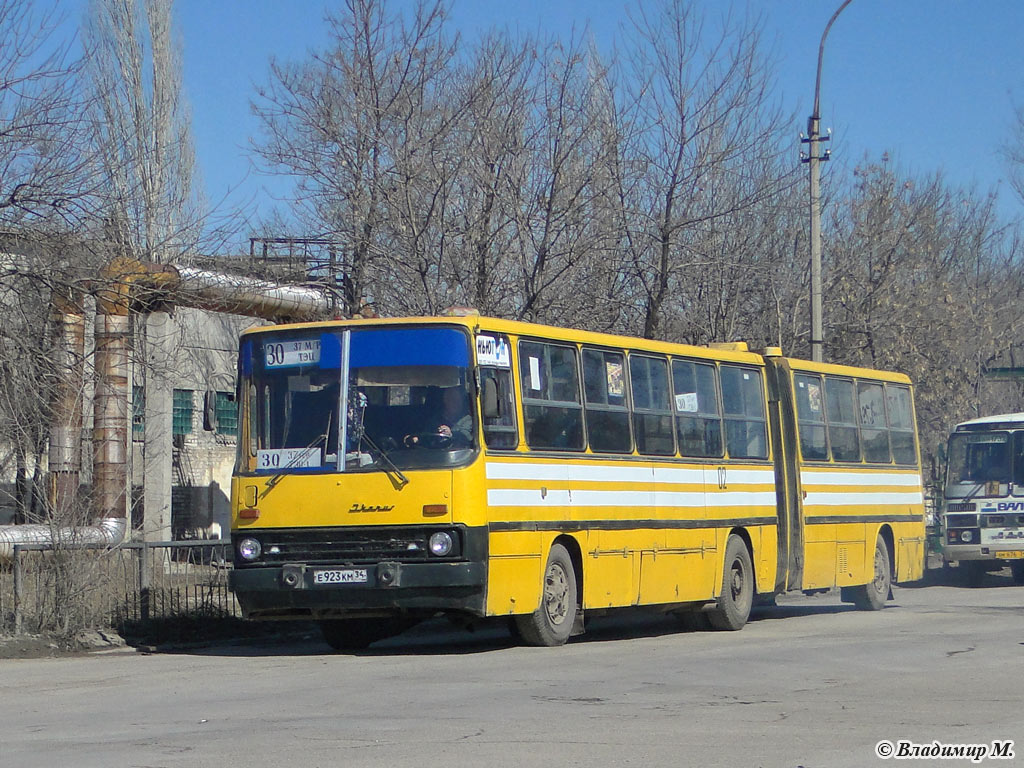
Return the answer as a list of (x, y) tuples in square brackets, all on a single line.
[(293, 462), (390, 467)]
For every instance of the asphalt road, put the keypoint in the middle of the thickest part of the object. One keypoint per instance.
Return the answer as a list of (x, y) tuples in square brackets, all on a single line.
[(810, 683)]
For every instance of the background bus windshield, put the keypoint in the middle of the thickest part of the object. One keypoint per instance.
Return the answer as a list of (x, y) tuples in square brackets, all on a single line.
[(986, 461)]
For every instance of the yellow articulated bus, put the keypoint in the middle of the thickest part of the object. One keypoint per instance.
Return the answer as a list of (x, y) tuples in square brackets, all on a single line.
[(389, 470)]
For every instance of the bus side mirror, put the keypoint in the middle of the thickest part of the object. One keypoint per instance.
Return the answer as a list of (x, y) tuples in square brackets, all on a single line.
[(490, 399)]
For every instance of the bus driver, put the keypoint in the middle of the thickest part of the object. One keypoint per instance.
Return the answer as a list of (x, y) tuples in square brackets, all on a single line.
[(456, 422)]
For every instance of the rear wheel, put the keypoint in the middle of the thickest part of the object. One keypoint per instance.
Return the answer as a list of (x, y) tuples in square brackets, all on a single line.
[(872, 596), (732, 609), (552, 623)]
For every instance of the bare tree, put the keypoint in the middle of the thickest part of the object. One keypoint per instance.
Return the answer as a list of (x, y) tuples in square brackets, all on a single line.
[(494, 87), (334, 124), (44, 165), (703, 132), (141, 128), (46, 185), (923, 279)]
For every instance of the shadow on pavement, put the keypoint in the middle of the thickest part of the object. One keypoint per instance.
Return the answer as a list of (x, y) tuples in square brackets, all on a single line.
[(439, 636)]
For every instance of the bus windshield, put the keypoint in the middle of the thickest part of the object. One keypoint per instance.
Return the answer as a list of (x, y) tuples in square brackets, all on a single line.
[(409, 400), (985, 464)]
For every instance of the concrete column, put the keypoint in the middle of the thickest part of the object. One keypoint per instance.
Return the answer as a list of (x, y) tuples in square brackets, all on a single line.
[(160, 344)]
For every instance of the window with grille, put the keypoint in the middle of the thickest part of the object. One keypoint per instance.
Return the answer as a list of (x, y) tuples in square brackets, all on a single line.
[(181, 419), (227, 414), (138, 412)]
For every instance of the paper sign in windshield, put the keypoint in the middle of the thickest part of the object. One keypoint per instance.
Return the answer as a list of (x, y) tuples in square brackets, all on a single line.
[(288, 458), (291, 354)]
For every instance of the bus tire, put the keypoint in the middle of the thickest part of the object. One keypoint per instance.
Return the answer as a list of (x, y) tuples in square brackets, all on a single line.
[(552, 622), (872, 596), (357, 634), (732, 609)]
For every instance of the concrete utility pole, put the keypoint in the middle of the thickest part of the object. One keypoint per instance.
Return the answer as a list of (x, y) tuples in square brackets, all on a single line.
[(814, 160)]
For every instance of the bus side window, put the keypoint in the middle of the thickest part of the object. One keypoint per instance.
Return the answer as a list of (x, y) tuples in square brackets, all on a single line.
[(499, 425), (698, 417), (841, 412), (901, 424), (810, 410), (552, 410), (652, 414), (746, 435), (874, 432), (604, 385)]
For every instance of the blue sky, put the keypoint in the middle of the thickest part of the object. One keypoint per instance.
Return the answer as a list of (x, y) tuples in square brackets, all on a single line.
[(931, 82)]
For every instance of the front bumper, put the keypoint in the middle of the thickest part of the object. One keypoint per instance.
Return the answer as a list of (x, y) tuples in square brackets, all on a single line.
[(288, 591)]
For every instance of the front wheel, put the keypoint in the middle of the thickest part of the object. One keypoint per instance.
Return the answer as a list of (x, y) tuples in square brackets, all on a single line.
[(552, 623), (872, 596), (732, 608)]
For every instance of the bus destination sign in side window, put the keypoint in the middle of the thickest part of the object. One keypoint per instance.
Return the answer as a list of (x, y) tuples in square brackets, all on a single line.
[(493, 351)]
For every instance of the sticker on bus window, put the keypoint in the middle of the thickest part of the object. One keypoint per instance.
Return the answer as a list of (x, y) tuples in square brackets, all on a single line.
[(616, 381), (291, 354), (814, 397), (686, 402), (535, 374), (493, 351)]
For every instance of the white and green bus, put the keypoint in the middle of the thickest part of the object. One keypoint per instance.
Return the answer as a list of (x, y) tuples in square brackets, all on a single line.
[(982, 514)]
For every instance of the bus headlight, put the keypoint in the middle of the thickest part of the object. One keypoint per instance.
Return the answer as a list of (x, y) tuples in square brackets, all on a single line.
[(249, 549), (441, 543), (966, 536)]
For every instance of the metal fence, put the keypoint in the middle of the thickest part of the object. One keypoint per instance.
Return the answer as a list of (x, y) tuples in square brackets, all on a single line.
[(45, 589)]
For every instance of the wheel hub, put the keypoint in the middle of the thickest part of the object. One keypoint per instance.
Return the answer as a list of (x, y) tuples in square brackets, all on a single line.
[(556, 594)]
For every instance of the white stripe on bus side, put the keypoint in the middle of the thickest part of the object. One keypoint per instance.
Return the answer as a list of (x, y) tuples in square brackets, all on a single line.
[(891, 499), (531, 497), (630, 474), (869, 478)]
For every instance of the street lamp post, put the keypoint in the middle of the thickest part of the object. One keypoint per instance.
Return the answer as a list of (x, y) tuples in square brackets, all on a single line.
[(814, 159)]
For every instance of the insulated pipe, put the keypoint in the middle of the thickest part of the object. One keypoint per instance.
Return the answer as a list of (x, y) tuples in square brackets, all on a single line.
[(109, 532), (109, 466), (248, 296), (65, 453), (110, 415)]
